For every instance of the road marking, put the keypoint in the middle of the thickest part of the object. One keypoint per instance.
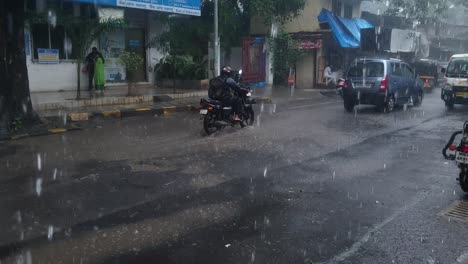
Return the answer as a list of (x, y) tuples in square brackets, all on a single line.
[(358, 244), (57, 130), (307, 106), (143, 109)]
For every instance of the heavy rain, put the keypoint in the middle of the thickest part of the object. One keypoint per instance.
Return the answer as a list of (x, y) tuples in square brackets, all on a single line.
[(234, 131)]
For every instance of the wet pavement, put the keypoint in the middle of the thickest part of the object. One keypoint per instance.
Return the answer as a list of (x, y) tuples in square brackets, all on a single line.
[(308, 183)]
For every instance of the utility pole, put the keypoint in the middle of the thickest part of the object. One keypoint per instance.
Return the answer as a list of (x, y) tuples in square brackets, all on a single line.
[(217, 52)]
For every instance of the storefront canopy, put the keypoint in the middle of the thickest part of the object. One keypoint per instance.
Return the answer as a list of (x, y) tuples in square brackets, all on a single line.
[(186, 7), (347, 32)]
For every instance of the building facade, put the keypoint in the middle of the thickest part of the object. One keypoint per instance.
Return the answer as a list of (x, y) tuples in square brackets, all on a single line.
[(321, 47), (52, 59)]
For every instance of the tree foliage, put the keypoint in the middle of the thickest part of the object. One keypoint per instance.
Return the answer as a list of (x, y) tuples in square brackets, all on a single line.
[(423, 11), (286, 52), (276, 10)]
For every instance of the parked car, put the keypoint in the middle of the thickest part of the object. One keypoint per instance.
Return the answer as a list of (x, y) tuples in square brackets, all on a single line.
[(384, 83), (455, 88)]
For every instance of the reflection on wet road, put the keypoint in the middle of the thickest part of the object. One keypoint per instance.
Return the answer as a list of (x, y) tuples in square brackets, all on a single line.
[(308, 183)]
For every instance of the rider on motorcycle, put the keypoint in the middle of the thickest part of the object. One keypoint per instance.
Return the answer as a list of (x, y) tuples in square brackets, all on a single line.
[(231, 91)]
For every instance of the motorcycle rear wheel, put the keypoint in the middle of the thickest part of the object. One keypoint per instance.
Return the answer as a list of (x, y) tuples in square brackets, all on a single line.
[(463, 180), (248, 117), (209, 123)]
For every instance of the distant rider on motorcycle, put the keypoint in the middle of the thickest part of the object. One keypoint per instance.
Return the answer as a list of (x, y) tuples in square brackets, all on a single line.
[(231, 91)]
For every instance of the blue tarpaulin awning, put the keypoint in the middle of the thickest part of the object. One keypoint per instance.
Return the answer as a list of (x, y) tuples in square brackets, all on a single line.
[(347, 32)]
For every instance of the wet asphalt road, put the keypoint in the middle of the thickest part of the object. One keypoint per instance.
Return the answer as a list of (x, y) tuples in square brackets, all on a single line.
[(308, 183)]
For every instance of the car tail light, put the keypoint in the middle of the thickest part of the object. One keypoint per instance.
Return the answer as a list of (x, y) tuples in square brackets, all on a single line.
[(384, 84)]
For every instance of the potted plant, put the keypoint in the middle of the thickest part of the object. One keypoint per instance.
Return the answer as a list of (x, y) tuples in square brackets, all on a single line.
[(132, 62)]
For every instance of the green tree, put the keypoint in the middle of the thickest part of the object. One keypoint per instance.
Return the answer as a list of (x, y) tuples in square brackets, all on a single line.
[(286, 52)]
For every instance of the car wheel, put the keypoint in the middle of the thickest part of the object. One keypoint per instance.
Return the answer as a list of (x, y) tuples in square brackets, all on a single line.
[(389, 105), (348, 105), (419, 98)]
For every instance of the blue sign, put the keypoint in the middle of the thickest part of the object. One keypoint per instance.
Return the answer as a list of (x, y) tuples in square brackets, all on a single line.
[(134, 43), (48, 56), (186, 7)]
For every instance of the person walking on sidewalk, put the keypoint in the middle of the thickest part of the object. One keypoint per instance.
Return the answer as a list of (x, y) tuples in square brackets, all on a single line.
[(99, 79), (91, 61)]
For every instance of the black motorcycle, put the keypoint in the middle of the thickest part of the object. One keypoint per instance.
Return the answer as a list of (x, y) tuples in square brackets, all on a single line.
[(460, 155), (216, 116)]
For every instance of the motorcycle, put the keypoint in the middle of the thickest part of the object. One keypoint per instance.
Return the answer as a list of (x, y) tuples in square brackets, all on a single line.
[(216, 116), (460, 156)]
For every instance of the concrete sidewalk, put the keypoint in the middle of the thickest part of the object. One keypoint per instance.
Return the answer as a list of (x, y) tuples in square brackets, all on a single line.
[(68, 114), (114, 95)]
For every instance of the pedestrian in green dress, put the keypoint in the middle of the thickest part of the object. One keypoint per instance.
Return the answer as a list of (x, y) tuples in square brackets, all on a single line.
[(99, 79)]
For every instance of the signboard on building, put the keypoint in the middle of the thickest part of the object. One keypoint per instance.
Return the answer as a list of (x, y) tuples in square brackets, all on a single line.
[(112, 45), (48, 56), (186, 7), (308, 41)]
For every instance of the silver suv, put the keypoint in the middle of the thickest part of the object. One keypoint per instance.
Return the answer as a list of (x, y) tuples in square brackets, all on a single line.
[(384, 83)]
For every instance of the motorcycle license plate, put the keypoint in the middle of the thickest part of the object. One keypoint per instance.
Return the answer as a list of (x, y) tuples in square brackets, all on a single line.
[(462, 157), (203, 112)]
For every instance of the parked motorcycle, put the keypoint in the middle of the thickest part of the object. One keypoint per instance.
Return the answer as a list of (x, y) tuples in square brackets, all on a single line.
[(216, 116), (460, 155)]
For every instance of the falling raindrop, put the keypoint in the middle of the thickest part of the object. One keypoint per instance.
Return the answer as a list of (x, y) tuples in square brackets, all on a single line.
[(50, 232), (55, 174), (385, 166), (334, 174), (38, 186), (39, 162), (252, 257), (18, 217), (265, 171)]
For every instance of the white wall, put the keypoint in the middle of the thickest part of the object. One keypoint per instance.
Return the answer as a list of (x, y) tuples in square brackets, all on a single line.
[(54, 77)]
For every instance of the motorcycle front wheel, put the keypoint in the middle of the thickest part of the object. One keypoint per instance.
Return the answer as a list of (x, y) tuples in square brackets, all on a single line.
[(209, 123), (248, 117)]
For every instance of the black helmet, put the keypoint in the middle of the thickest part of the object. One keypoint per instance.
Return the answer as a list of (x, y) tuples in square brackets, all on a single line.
[(226, 70)]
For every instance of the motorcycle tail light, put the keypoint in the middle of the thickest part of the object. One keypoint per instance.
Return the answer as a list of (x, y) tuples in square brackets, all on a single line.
[(453, 147), (343, 83), (464, 148)]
